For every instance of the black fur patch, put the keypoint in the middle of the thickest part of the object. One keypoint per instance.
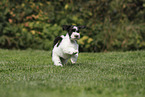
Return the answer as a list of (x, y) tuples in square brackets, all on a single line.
[(66, 27), (57, 40)]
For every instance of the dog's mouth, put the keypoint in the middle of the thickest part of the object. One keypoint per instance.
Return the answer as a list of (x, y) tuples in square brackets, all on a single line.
[(75, 38)]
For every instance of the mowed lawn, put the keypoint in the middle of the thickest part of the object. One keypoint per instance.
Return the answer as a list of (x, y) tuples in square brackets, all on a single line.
[(31, 73)]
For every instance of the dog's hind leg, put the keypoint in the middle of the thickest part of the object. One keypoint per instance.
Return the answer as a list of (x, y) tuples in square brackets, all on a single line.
[(74, 58)]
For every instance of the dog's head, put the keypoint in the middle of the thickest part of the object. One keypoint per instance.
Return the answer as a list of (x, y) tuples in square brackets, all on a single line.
[(73, 31)]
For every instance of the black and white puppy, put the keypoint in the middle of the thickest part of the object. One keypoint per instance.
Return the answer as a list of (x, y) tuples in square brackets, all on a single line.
[(66, 47)]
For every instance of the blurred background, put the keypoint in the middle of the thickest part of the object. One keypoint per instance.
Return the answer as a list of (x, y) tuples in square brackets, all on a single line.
[(112, 25)]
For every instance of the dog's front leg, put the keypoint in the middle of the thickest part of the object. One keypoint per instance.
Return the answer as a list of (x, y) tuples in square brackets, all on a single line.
[(56, 60), (70, 51), (74, 58)]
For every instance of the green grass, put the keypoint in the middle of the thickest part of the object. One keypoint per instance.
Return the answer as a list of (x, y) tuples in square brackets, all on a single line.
[(31, 73)]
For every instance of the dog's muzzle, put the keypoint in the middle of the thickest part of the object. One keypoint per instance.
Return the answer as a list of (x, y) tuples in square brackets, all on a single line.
[(75, 36)]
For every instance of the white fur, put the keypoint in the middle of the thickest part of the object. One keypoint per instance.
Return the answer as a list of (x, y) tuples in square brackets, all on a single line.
[(73, 36), (75, 27), (75, 33), (67, 49)]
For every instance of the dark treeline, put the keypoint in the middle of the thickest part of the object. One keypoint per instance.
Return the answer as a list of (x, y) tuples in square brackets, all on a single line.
[(111, 24)]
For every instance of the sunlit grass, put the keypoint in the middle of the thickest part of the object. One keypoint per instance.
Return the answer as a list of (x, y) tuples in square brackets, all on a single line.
[(31, 73)]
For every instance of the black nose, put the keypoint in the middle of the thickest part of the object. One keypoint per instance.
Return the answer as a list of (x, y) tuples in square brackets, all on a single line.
[(76, 36)]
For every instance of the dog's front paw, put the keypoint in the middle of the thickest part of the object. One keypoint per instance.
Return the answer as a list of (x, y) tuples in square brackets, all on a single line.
[(58, 65), (73, 62), (75, 52)]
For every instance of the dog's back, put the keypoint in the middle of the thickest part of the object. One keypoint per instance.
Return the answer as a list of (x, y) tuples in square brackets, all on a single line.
[(57, 40)]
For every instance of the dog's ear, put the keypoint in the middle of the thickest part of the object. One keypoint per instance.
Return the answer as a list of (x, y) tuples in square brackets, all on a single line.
[(66, 27), (81, 27)]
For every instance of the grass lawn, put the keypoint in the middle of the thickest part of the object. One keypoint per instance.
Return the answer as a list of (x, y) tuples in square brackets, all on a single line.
[(31, 73)]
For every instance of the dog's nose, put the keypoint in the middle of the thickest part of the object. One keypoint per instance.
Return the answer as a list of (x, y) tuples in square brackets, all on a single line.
[(76, 36)]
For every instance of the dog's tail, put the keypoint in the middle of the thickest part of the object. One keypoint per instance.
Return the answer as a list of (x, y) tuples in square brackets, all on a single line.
[(58, 40)]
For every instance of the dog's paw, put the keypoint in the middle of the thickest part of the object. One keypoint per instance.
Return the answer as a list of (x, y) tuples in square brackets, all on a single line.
[(75, 52), (58, 65), (73, 62)]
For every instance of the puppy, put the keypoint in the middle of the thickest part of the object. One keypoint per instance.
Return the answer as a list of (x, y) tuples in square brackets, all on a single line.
[(66, 47)]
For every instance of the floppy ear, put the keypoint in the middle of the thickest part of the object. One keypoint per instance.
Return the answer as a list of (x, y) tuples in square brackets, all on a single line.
[(66, 27), (81, 27)]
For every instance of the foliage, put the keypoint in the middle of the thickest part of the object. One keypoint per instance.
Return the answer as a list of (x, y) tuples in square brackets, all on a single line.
[(30, 73), (111, 25)]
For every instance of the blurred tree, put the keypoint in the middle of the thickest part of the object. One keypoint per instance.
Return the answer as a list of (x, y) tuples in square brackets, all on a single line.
[(111, 24)]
